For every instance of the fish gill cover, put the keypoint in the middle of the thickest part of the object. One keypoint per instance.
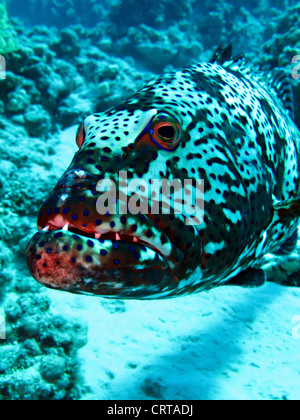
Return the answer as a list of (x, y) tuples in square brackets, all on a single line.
[(65, 60)]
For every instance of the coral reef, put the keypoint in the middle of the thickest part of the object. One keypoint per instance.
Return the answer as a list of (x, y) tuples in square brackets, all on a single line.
[(59, 69), (130, 13), (59, 12), (283, 45), (157, 49), (38, 358), (8, 41), (54, 73)]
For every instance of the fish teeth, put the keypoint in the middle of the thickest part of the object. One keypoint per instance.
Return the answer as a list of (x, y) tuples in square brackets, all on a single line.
[(97, 235), (80, 174), (66, 227), (118, 237), (135, 239), (45, 229)]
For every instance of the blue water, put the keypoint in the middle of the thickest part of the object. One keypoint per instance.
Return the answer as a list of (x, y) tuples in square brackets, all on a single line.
[(68, 59)]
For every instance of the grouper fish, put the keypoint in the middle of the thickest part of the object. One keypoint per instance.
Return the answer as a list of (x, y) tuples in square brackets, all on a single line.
[(226, 126)]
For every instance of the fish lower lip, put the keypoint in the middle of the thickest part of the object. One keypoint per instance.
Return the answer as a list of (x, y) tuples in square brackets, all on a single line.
[(67, 261)]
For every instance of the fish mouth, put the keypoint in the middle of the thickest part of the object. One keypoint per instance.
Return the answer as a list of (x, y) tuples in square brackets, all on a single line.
[(103, 262)]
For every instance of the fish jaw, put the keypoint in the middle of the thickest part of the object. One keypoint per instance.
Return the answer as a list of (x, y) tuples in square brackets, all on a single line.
[(66, 261), (85, 252)]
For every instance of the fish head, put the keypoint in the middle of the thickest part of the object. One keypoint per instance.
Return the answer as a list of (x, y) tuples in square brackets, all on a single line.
[(118, 223)]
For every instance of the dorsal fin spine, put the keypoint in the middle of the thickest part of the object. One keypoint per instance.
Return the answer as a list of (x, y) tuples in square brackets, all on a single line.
[(277, 80)]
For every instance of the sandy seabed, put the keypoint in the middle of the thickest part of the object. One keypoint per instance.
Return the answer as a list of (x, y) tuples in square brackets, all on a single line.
[(229, 343)]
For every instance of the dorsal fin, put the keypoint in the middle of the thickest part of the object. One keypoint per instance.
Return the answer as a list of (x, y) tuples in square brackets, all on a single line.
[(221, 55), (276, 81), (280, 81), (224, 57)]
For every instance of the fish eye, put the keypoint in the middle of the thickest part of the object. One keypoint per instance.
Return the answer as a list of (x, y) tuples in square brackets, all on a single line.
[(165, 131), (80, 135)]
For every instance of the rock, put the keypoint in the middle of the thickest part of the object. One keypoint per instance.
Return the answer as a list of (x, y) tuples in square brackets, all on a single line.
[(105, 44), (18, 119), (71, 79), (52, 367), (7, 168), (37, 121), (103, 89), (12, 83), (159, 54), (27, 386), (29, 327), (69, 44), (32, 347), (73, 110), (13, 312), (55, 91), (17, 101), (8, 356), (42, 50), (110, 71), (38, 357)]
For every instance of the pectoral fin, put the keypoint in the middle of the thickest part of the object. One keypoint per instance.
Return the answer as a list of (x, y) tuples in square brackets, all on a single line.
[(289, 246), (289, 209)]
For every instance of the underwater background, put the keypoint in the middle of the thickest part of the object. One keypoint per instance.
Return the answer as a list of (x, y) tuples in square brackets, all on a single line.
[(66, 59)]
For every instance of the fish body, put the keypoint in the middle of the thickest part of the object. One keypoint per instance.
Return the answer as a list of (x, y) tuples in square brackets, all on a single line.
[(219, 124)]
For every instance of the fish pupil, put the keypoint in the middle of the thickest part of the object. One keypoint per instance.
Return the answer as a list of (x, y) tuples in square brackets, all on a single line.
[(166, 131)]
